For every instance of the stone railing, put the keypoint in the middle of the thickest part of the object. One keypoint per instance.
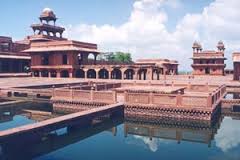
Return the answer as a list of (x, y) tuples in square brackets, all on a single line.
[(178, 100), (84, 95)]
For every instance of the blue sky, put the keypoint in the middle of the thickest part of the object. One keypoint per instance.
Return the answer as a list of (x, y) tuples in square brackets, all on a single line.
[(146, 28), (17, 18)]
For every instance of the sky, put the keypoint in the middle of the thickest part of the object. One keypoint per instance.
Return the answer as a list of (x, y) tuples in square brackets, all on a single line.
[(145, 28)]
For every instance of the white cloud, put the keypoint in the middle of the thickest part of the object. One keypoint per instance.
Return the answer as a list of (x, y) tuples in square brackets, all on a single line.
[(145, 33), (228, 136)]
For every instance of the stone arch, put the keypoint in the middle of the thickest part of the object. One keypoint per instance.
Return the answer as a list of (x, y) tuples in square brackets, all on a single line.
[(103, 74), (91, 73), (36, 73), (142, 74), (53, 73), (64, 73), (91, 56), (129, 74), (44, 73), (116, 74), (80, 73)]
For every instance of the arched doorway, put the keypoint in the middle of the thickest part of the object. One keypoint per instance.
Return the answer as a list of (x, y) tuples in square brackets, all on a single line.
[(103, 74), (80, 73), (92, 58), (91, 73), (36, 73), (129, 73), (44, 73), (207, 71), (53, 73), (116, 74), (142, 74), (64, 74)]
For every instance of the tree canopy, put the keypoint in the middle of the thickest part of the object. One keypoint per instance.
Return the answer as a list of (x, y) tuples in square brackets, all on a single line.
[(118, 57)]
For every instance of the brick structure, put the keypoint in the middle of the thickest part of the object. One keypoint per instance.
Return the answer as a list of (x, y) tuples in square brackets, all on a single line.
[(54, 56), (11, 59), (236, 66), (208, 62)]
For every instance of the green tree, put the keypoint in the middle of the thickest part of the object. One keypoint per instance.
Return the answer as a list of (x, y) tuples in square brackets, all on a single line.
[(122, 57)]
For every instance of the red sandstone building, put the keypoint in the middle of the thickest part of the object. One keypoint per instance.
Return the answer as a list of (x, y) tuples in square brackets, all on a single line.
[(11, 58), (236, 66), (55, 56), (208, 62)]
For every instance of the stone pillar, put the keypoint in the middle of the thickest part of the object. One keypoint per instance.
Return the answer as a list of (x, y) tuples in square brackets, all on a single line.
[(179, 99), (40, 73), (135, 76), (85, 73), (95, 59), (49, 74), (149, 74), (114, 96), (109, 75), (209, 100), (91, 94), (97, 76), (58, 74)]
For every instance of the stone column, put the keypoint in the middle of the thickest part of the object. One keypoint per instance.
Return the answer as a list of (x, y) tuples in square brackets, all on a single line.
[(209, 100), (149, 74), (40, 73), (97, 70), (135, 76), (49, 74), (179, 99), (85, 73), (58, 74)]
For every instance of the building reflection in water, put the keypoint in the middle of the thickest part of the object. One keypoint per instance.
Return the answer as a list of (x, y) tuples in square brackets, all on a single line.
[(150, 129), (192, 131)]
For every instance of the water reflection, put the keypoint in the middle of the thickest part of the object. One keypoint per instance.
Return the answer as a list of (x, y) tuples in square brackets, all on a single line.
[(54, 141), (143, 136)]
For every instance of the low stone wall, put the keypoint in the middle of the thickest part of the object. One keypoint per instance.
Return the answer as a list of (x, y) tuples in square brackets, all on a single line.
[(108, 97), (195, 106)]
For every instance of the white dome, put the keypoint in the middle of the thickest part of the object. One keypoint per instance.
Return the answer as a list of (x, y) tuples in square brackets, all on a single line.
[(47, 10)]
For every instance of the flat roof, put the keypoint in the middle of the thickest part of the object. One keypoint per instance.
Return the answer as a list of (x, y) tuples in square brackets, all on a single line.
[(64, 45), (160, 89)]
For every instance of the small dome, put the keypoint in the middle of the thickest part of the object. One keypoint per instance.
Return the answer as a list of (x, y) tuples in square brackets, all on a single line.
[(48, 13), (196, 45), (45, 10), (220, 43)]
